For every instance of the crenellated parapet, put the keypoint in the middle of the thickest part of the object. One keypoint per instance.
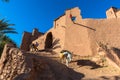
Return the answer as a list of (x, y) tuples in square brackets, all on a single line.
[(28, 38), (113, 13)]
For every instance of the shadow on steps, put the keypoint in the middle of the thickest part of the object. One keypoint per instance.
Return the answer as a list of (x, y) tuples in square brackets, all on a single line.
[(44, 68)]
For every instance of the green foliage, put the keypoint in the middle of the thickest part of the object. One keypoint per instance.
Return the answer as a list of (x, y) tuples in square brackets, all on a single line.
[(1, 48), (4, 40), (4, 29)]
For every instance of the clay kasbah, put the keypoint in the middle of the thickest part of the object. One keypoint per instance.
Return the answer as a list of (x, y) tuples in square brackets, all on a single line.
[(94, 44)]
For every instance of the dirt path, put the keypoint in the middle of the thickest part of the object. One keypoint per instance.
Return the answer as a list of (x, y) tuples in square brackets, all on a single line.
[(93, 71), (90, 69), (97, 72)]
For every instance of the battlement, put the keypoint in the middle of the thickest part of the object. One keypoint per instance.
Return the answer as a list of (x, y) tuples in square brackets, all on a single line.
[(28, 38), (113, 13)]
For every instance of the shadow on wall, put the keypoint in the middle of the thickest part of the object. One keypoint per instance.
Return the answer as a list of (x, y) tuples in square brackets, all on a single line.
[(48, 50), (56, 44), (108, 78), (85, 26), (114, 55), (88, 63), (50, 46), (117, 51)]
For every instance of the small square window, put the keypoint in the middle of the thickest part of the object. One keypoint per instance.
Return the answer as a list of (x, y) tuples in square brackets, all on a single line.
[(73, 18)]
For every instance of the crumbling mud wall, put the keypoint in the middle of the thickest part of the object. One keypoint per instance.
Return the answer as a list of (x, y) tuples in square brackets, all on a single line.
[(81, 36), (113, 12), (109, 32), (106, 31), (76, 34), (19, 65), (58, 36), (28, 38), (68, 35)]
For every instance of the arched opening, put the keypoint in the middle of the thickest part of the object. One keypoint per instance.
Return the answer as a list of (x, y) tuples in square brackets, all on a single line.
[(49, 40)]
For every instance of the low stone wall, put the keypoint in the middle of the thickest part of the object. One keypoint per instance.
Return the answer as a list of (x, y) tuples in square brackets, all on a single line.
[(19, 65)]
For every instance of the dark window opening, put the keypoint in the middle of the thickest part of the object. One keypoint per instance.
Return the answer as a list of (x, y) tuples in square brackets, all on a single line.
[(73, 18)]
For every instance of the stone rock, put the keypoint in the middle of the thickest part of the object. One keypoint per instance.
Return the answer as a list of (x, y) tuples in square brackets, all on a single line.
[(16, 65), (19, 65)]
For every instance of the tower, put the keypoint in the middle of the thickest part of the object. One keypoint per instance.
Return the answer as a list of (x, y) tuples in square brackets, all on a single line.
[(111, 13)]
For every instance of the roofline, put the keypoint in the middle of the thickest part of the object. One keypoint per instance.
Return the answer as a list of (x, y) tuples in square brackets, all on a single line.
[(59, 17), (112, 8)]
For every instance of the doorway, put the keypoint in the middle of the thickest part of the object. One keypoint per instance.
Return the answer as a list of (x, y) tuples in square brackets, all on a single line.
[(49, 40)]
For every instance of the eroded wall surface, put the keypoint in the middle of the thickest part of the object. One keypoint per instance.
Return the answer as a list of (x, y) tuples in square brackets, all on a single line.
[(81, 35), (28, 38), (76, 34), (58, 35)]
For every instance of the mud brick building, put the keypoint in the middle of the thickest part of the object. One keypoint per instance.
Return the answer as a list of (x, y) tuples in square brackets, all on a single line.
[(70, 31)]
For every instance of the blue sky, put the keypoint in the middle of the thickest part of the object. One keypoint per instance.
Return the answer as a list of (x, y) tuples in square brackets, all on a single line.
[(30, 14)]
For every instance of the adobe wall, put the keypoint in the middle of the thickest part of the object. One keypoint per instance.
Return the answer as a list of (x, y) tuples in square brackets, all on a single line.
[(77, 40), (70, 36), (113, 13), (28, 38), (118, 13), (58, 33), (76, 35), (107, 31), (81, 36), (90, 31), (40, 40)]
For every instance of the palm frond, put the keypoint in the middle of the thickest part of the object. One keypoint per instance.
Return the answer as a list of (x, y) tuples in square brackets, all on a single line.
[(5, 27), (4, 32)]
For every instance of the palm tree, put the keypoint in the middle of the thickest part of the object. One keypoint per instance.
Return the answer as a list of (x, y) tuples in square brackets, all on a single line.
[(4, 29), (5, 39)]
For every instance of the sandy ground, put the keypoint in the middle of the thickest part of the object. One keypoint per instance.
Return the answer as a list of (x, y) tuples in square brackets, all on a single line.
[(90, 69)]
